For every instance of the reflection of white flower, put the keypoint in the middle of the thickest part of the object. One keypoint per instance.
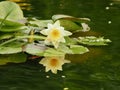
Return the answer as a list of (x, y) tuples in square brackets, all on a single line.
[(53, 63), (85, 27), (55, 34)]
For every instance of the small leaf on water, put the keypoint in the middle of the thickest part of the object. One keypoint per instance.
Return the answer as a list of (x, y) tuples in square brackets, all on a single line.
[(92, 40), (12, 58), (77, 49)]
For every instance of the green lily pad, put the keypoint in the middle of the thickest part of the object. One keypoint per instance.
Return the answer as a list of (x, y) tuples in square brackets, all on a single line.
[(11, 48), (53, 52), (12, 28), (12, 58), (11, 14), (41, 23), (71, 18), (35, 49), (5, 35), (77, 49), (93, 41), (70, 25)]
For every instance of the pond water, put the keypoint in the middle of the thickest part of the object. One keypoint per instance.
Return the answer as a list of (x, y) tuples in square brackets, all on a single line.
[(97, 70)]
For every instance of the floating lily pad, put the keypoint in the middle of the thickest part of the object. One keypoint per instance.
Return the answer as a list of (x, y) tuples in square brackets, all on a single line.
[(71, 23), (12, 28), (35, 49), (71, 18), (10, 48), (11, 14), (53, 52), (5, 35), (41, 23), (92, 40), (77, 49)]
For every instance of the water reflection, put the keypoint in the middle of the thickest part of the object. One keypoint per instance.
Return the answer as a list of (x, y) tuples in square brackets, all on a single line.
[(97, 70)]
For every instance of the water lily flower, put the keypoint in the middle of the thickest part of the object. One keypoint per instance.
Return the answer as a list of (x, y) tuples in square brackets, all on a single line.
[(53, 63), (55, 34)]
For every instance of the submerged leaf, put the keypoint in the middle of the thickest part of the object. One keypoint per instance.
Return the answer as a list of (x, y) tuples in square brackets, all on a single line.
[(92, 40), (12, 58), (77, 49)]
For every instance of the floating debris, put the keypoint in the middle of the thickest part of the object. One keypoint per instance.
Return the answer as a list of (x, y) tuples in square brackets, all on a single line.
[(109, 22), (111, 4), (107, 8), (63, 76), (47, 76), (66, 89)]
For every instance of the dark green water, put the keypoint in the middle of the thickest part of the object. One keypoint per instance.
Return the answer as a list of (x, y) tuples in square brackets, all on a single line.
[(97, 70)]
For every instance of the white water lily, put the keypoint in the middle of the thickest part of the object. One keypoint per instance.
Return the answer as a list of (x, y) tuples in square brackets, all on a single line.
[(55, 34), (53, 63)]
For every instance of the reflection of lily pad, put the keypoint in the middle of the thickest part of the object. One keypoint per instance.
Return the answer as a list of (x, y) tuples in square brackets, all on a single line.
[(13, 58)]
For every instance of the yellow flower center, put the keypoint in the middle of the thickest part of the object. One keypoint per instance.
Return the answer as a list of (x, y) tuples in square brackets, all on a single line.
[(55, 34), (54, 62)]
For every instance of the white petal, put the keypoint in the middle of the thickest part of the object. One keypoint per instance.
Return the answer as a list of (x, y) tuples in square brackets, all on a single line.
[(55, 43), (57, 24), (47, 69), (49, 26), (62, 40), (47, 41), (67, 33), (60, 68), (54, 71), (43, 61)]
